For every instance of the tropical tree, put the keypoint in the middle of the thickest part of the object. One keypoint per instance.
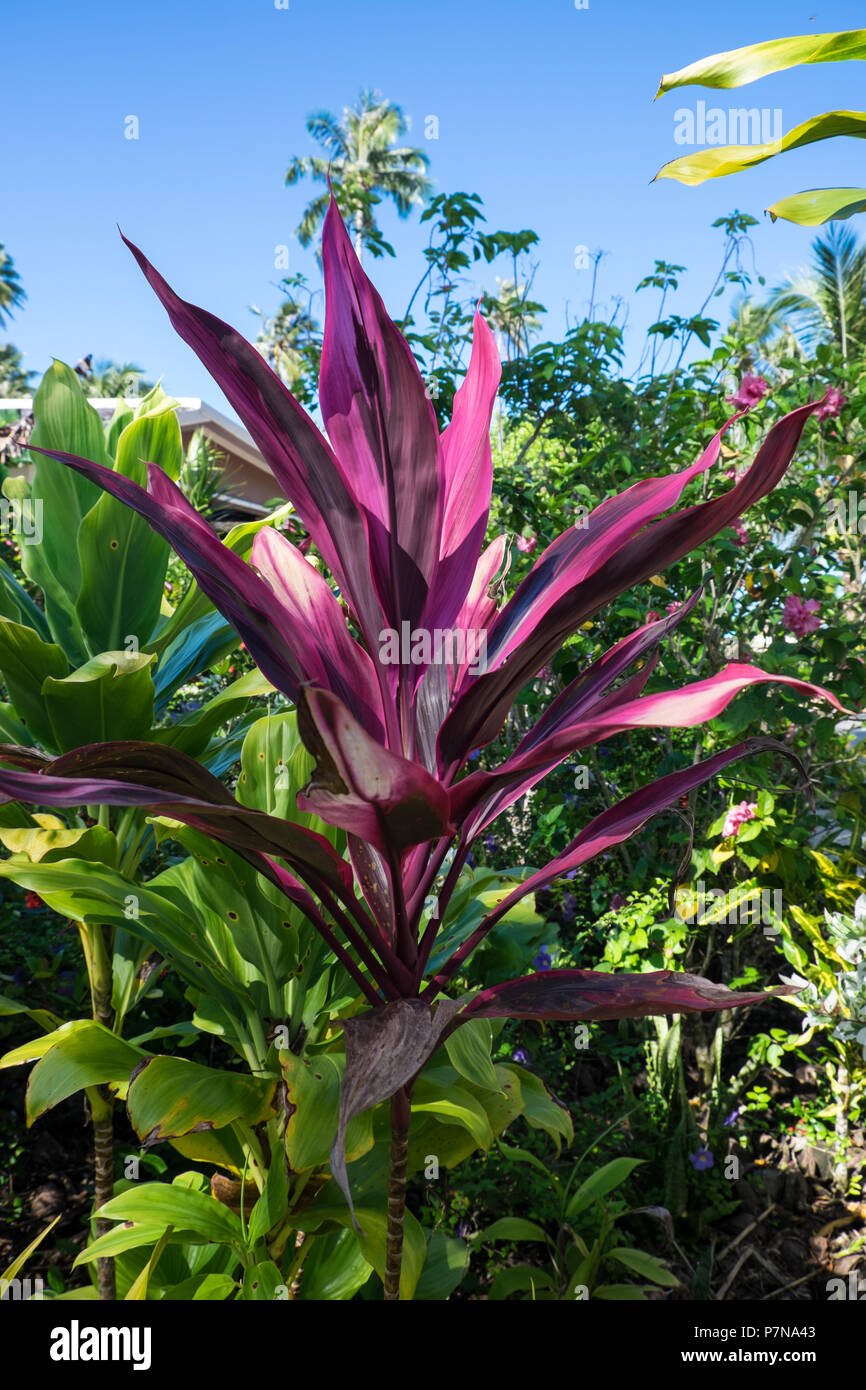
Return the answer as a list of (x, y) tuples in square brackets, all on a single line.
[(398, 514), (290, 340), (513, 316), (110, 379), (14, 376), (12, 294), (364, 165), (827, 302)]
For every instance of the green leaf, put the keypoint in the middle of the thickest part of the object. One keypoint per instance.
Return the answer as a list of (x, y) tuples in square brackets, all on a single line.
[(512, 1228), (738, 66), (63, 420), (109, 697), (43, 845), (446, 1264), (26, 663), (123, 560), (604, 1180), (373, 1240), (819, 205), (334, 1270), (313, 1089), (158, 1206), (539, 1107), (643, 1264), (11, 1271), (271, 1206), (76, 1057), (456, 1106), (519, 1279), (469, 1048), (275, 765), (170, 1096), (192, 733), (717, 162), (622, 1293)]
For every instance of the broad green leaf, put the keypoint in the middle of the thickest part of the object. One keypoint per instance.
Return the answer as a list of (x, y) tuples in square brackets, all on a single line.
[(275, 765), (170, 1096), (44, 1017), (455, 1105), (313, 1088), (63, 420), (469, 1048), (643, 1264), (719, 161), (519, 1279), (210, 1288), (89, 1056), (137, 1291), (818, 205), (43, 845), (602, 1181), (192, 733), (12, 730), (109, 697), (539, 1107), (37, 1047), (261, 1282), (159, 1205), (373, 1240), (26, 662), (446, 1264), (512, 1228), (334, 1270), (738, 66), (123, 560), (271, 1206)]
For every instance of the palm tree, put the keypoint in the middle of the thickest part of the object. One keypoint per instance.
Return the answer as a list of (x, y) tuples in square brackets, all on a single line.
[(513, 317), (365, 164), (112, 378), (14, 378), (290, 342), (12, 294), (827, 302)]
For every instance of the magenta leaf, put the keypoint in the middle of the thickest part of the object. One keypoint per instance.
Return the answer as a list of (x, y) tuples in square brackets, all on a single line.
[(593, 995), (366, 789)]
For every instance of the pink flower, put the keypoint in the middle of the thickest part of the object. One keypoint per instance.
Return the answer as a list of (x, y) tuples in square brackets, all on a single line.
[(831, 404), (526, 544), (653, 615), (801, 617), (737, 816), (741, 532), (672, 608), (752, 389)]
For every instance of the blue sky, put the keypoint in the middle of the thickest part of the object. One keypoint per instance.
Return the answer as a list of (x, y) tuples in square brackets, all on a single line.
[(545, 110)]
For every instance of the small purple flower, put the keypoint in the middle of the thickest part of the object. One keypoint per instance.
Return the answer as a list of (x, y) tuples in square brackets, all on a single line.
[(520, 1055), (617, 902), (732, 1118), (490, 844), (702, 1159), (463, 1230), (542, 960), (572, 873), (568, 905)]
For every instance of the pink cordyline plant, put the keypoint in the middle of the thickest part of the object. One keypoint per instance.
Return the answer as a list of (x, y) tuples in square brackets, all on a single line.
[(398, 514)]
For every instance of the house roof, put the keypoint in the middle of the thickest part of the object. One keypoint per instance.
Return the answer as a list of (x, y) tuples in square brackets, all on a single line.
[(249, 484)]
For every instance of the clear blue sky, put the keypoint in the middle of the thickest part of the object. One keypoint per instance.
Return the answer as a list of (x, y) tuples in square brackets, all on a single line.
[(544, 110)]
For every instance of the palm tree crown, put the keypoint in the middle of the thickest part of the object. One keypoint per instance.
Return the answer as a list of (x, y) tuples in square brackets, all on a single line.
[(364, 164)]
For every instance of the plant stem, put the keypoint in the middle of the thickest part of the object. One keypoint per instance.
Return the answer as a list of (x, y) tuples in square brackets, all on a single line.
[(102, 1117), (400, 1116)]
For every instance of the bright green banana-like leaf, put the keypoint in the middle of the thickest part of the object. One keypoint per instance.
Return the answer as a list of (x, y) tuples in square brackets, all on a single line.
[(715, 163), (78, 1054), (123, 561), (109, 697), (818, 205), (172, 1096), (738, 66), (63, 419), (26, 662)]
